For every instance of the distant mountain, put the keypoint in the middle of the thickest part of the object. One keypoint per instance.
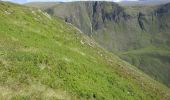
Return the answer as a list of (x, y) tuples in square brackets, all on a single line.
[(138, 34), (144, 2)]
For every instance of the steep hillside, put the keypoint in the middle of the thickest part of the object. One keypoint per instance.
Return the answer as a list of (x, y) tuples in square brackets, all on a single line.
[(123, 30), (154, 57), (45, 58)]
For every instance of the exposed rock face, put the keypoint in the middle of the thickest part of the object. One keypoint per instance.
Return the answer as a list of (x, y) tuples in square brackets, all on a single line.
[(104, 12), (164, 9), (140, 17), (163, 13), (89, 16)]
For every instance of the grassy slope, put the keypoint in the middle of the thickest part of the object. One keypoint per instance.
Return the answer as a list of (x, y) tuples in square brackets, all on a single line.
[(156, 59), (42, 57), (127, 36), (153, 58)]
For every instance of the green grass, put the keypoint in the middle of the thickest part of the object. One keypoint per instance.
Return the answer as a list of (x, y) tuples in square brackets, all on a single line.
[(152, 60), (45, 58)]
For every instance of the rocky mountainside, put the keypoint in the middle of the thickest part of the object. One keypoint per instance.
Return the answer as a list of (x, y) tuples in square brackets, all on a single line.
[(138, 34), (42, 57), (144, 2)]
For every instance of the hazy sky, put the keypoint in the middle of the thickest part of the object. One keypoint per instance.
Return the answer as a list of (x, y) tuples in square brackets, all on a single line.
[(24, 1)]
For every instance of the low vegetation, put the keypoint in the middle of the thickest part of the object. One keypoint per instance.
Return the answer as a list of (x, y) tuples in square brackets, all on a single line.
[(45, 58)]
